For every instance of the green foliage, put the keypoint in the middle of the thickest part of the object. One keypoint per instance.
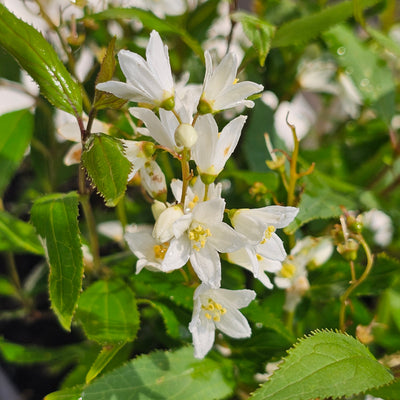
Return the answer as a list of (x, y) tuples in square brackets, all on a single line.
[(65, 394), (107, 167), (16, 131), (164, 375), (326, 364), (34, 53), (55, 219), (108, 312)]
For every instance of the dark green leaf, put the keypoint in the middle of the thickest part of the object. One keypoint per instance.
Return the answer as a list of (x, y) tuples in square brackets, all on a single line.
[(55, 219), (162, 375), (326, 364), (16, 130), (301, 30), (107, 167), (34, 53), (388, 392), (17, 236), (108, 312), (259, 32)]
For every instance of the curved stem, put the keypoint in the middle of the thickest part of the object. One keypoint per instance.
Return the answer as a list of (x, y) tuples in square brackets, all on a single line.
[(185, 174), (355, 283)]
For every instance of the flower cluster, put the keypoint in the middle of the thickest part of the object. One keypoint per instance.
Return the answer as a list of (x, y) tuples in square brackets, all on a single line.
[(191, 230)]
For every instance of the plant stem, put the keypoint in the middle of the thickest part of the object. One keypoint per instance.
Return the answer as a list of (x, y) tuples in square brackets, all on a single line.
[(355, 283), (185, 174)]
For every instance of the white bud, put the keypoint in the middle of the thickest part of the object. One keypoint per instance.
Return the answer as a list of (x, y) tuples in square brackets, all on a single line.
[(163, 227), (157, 208), (186, 136)]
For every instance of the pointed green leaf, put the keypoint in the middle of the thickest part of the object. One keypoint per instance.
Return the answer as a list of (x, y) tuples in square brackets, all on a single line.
[(326, 364), (301, 30), (108, 312), (18, 236), (384, 40), (259, 32), (16, 130), (107, 167), (163, 375), (106, 73), (35, 54), (370, 74), (66, 394), (106, 355), (55, 219)]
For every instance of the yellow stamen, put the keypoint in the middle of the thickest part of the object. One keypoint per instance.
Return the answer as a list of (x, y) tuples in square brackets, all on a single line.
[(199, 235), (160, 250), (268, 233), (288, 270), (214, 310)]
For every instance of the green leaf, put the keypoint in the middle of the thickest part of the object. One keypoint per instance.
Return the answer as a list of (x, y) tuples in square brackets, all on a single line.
[(107, 167), (108, 312), (34, 53), (269, 179), (369, 73), (106, 355), (6, 288), (389, 392), (18, 236), (106, 73), (16, 131), (384, 40), (301, 30), (326, 364), (149, 20), (259, 32), (55, 219), (162, 375), (66, 394)]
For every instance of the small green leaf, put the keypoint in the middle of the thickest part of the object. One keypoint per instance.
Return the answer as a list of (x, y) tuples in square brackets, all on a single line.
[(149, 20), (389, 392), (106, 73), (108, 312), (34, 53), (369, 73), (16, 130), (55, 219), (107, 167), (326, 364), (106, 355), (6, 288), (259, 32), (301, 30), (163, 375), (384, 40), (18, 236), (73, 393)]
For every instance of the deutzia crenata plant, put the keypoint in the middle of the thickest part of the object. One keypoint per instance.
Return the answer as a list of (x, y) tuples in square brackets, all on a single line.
[(231, 193)]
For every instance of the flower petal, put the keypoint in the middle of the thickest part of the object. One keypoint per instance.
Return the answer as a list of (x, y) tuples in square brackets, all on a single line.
[(236, 94), (207, 265), (234, 324), (225, 239), (203, 333), (177, 254)]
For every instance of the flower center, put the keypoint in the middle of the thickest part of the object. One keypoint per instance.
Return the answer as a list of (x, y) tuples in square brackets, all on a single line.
[(160, 250), (288, 270), (192, 203), (213, 310), (268, 233), (199, 235)]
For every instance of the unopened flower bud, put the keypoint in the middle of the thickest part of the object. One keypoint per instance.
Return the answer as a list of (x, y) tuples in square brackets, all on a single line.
[(276, 164), (186, 136), (163, 227), (157, 208), (348, 249), (168, 104)]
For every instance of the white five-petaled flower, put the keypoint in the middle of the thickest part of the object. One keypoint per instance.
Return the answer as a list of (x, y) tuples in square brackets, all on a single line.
[(264, 250), (212, 148), (220, 90), (218, 309), (199, 236), (148, 81)]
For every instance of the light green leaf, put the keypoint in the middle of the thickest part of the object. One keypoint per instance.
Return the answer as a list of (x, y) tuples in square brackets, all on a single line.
[(300, 31), (106, 355), (34, 53), (108, 312), (369, 73), (16, 130), (66, 394), (107, 167), (163, 375), (259, 32), (18, 236), (384, 40), (326, 364), (6, 288), (149, 20), (55, 219)]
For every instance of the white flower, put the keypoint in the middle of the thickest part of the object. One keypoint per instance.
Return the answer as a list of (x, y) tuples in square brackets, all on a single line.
[(212, 148), (163, 229), (147, 81), (380, 224), (220, 90), (161, 8), (218, 309)]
